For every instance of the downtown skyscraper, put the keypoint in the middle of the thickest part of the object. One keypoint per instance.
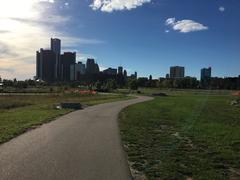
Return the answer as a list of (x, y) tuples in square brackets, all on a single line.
[(177, 72), (51, 65), (56, 48)]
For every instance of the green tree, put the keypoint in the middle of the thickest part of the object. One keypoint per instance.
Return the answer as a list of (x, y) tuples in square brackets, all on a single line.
[(98, 85), (133, 84), (111, 84)]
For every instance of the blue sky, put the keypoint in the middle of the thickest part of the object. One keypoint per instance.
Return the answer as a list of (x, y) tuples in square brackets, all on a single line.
[(147, 36)]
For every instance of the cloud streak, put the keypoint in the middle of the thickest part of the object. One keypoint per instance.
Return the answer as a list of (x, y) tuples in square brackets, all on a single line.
[(117, 5), (185, 26)]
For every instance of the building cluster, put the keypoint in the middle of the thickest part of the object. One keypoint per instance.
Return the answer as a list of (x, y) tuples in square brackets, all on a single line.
[(179, 72), (52, 66)]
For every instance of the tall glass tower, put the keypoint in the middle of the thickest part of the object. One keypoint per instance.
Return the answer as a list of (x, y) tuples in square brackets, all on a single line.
[(56, 48), (56, 45)]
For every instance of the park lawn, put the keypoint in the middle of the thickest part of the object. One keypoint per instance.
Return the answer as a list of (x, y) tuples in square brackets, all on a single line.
[(183, 136), (21, 113)]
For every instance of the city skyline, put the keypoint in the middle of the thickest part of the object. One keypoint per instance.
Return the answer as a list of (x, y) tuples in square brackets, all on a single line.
[(149, 36), (53, 66)]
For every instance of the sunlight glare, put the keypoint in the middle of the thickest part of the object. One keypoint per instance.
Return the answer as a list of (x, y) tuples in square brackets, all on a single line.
[(17, 9)]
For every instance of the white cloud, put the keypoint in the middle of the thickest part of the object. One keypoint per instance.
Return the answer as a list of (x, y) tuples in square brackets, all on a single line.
[(116, 5), (50, 1), (170, 21), (102, 68), (221, 9), (185, 26)]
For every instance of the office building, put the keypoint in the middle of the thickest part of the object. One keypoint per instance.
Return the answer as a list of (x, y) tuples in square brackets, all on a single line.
[(38, 65), (125, 73), (206, 73), (56, 48), (91, 67), (76, 71), (56, 45), (46, 61), (206, 76), (66, 60), (110, 71), (120, 70), (177, 72), (135, 74)]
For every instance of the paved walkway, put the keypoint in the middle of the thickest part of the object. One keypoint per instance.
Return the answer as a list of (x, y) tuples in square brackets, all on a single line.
[(83, 145)]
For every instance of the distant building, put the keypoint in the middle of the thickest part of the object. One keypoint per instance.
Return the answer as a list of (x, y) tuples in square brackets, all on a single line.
[(120, 70), (177, 72), (206, 73), (56, 48), (46, 62), (125, 73), (206, 76), (1, 86), (56, 45), (167, 76), (135, 74), (91, 67), (76, 70), (110, 71), (67, 59), (38, 66)]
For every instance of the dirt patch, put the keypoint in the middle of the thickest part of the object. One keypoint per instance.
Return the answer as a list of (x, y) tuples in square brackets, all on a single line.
[(236, 94), (235, 102), (136, 174), (235, 173)]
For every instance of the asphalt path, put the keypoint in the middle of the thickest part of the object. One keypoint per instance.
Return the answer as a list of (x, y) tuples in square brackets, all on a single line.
[(83, 145)]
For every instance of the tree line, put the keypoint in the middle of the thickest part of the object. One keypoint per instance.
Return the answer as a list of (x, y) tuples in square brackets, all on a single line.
[(108, 83)]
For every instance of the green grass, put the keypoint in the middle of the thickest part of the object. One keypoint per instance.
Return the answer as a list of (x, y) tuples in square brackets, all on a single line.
[(186, 135), (21, 113), (150, 91)]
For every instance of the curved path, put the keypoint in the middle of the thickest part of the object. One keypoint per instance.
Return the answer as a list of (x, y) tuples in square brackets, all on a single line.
[(83, 145)]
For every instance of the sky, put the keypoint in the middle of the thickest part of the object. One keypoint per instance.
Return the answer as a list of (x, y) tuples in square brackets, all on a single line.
[(147, 36)]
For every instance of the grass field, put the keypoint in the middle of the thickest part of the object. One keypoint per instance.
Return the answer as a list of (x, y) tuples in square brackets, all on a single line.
[(187, 135), (20, 113)]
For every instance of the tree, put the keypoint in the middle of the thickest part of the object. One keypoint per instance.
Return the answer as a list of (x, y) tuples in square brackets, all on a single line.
[(111, 84), (142, 82), (98, 85), (133, 85), (150, 78)]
